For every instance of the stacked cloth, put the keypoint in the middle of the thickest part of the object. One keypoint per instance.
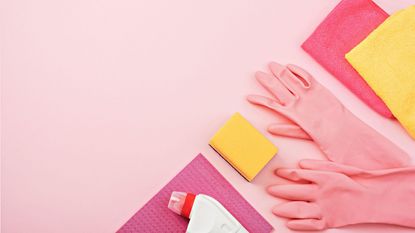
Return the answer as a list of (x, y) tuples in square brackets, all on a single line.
[(386, 60), (346, 26)]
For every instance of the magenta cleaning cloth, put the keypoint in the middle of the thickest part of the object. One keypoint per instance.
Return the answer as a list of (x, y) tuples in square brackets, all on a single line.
[(345, 27), (199, 176)]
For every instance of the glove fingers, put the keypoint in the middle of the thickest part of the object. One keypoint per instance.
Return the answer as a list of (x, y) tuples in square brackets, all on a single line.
[(322, 165), (306, 77), (303, 175), (307, 224), (288, 130), (275, 87), (265, 102), (295, 192), (298, 209), (287, 78)]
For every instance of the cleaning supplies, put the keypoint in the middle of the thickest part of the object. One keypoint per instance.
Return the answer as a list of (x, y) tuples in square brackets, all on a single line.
[(346, 26), (340, 134), (205, 213), (386, 60), (326, 194), (243, 146), (199, 176)]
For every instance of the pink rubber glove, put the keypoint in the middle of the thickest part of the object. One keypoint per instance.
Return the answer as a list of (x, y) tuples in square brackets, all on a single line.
[(288, 130), (337, 195), (340, 135)]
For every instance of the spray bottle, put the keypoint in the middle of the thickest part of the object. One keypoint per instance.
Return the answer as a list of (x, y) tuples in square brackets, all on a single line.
[(205, 213)]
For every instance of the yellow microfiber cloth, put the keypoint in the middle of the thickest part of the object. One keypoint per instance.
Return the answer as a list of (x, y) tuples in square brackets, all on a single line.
[(386, 60), (243, 146)]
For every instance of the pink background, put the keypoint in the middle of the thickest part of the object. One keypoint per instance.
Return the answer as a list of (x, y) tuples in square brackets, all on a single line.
[(103, 102)]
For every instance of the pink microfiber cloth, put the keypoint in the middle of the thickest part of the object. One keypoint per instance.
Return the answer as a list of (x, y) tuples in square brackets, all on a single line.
[(199, 176), (345, 27)]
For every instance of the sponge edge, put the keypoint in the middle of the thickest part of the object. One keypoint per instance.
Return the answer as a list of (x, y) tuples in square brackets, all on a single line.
[(243, 146)]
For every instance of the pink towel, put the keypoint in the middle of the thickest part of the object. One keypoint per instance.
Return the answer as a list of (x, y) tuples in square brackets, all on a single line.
[(345, 27), (199, 176)]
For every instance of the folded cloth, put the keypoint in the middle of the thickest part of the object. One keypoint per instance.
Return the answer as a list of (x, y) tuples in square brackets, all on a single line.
[(346, 26), (386, 60), (199, 176)]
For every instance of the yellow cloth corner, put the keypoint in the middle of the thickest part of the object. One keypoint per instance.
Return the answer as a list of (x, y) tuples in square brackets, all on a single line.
[(386, 60), (243, 146)]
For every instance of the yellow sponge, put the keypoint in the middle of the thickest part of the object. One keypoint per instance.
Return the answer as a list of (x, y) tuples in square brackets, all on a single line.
[(243, 146)]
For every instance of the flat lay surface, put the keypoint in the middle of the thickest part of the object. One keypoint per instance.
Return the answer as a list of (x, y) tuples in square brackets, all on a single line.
[(104, 102)]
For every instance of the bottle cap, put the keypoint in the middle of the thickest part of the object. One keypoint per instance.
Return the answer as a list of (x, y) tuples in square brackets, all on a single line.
[(181, 203)]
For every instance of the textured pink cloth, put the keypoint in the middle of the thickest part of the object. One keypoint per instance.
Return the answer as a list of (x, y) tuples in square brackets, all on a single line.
[(199, 176), (345, 27)]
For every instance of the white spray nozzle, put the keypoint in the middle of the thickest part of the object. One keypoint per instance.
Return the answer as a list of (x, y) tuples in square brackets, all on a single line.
[(176, 202)]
